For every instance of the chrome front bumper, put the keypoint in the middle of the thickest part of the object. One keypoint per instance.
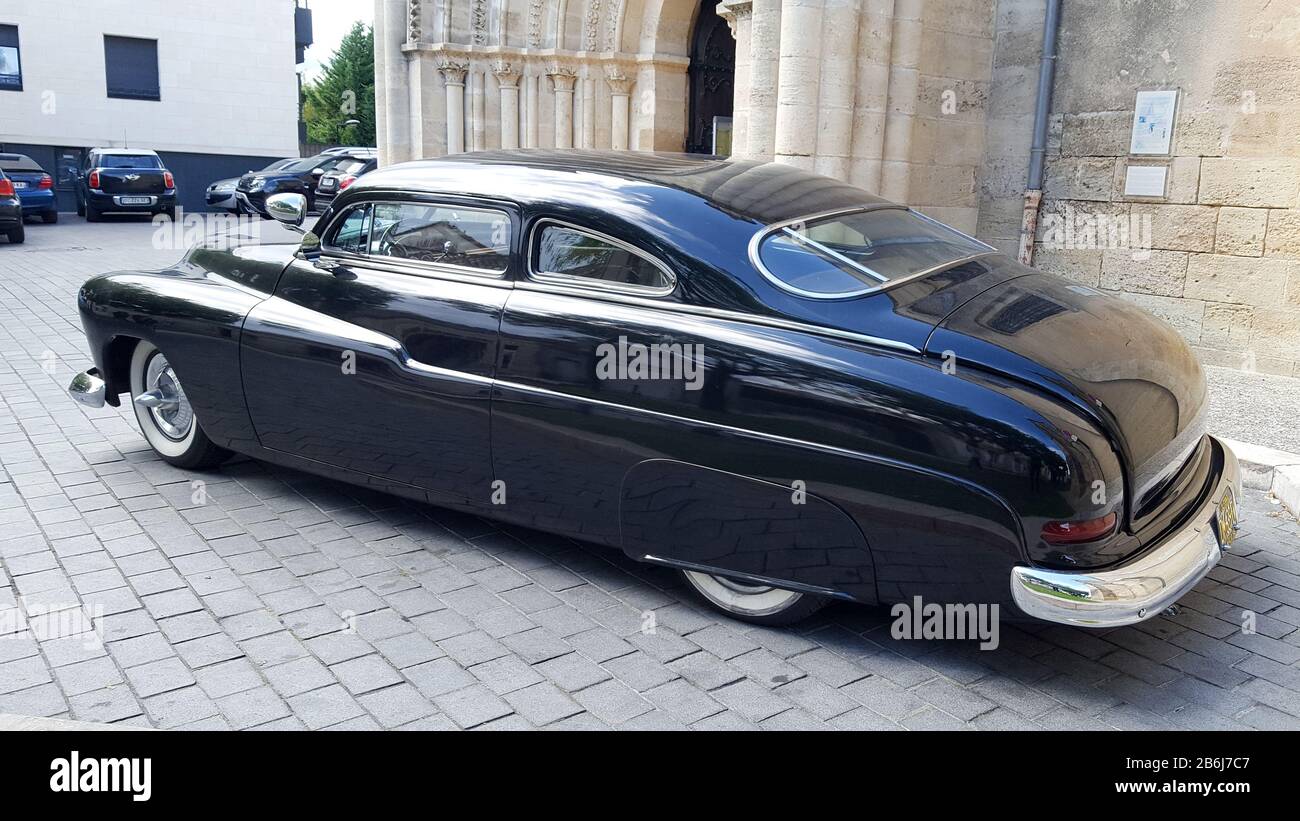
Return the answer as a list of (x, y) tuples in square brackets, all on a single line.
[(1143, 588), (88, 389)]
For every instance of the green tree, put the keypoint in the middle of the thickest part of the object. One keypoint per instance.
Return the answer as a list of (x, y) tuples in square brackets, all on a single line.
[(344, 91)]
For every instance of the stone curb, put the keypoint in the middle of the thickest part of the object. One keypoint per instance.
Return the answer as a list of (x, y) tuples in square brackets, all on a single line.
[(1273, 470)]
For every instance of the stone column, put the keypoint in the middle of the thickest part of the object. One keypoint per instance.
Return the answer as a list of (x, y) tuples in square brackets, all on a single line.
[(905, 60), (532, 100), (478, 110), (739, 17), (620, 87), (508, 83), (798, 82), (453, 79), (588, 113), (837, 88), (764, 66), (563, 80), (395, 30)]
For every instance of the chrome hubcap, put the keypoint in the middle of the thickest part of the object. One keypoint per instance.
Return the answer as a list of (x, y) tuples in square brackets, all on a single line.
[(165, 399)]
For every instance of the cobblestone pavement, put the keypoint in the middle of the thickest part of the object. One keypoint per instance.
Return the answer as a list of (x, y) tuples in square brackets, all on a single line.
[(287, 601)]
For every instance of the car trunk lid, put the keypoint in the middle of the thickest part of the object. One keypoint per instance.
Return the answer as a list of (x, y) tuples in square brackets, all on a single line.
[(131, 181), (1134, 373)]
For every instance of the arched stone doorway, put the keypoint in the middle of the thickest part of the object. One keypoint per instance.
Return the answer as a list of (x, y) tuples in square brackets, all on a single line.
[(712, 79)]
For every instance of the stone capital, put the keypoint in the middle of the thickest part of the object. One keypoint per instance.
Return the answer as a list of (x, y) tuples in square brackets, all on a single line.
[(563, 77), (453, 73), (619, 83), (734, 10), (507, 75)]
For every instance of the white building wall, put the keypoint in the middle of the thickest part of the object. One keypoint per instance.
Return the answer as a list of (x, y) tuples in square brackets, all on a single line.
[(226, 74)]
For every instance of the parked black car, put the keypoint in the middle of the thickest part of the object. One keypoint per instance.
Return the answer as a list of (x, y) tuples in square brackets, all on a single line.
[(300, 177), (776, 383), (11, 211), (221, 194), (124, 181), (34, 185), (334, 182)]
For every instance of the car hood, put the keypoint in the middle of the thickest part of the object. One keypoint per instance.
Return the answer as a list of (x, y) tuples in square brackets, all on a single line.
[(1130, 371)]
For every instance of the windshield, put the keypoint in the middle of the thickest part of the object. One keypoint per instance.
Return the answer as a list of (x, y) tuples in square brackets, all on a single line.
[(129, 161), (279, 164), (849, 254)]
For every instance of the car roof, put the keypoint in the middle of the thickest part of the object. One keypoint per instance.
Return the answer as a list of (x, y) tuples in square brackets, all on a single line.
[(754, 191), (127, 152), (18, 162)]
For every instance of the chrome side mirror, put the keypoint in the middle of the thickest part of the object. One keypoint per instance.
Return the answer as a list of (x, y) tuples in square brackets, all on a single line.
[(291, 209)]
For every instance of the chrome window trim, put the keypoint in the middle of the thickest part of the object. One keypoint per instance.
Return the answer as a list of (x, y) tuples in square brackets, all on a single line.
[(425, 268), (586, 283), (780, 323), (332, 230), (885, 285)]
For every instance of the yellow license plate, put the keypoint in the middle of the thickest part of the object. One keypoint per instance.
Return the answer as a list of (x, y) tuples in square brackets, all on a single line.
[(1227, 518)]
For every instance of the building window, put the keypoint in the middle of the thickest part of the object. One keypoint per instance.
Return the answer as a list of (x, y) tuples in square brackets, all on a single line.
[(131, 68), (11, 70)]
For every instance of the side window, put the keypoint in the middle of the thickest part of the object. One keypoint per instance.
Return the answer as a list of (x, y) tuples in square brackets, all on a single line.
[(11, 70), (475, 238), (569, 252), (353, 232)]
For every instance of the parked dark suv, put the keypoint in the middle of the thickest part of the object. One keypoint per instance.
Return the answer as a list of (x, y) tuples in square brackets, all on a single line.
[(124, 181), (301, 177)]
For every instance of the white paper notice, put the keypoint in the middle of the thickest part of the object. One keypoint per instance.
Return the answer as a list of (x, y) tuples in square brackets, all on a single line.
[(1153, 122), (1144, 181)]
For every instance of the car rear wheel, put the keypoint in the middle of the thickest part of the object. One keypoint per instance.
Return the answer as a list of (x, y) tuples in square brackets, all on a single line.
[(93, 214), (166, 418), (755, 603), (17, 235), (81, 208), (50, 217)]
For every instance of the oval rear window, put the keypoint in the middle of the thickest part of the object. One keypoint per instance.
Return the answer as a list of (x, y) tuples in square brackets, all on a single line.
[(856, 253)]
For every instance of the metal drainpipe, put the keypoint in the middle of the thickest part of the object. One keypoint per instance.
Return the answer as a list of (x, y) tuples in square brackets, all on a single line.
[(1042, 110)]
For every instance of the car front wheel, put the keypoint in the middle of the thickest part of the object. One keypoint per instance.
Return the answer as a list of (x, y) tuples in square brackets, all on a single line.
[(17, 235), (754, 603), (166, 418)]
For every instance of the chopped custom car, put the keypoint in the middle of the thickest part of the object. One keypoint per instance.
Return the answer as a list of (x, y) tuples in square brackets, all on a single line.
[(122, 181), (781, 386), (11, 211), (35, 187)]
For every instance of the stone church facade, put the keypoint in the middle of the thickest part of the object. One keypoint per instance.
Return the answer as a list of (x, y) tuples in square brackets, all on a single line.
[(926, 102)]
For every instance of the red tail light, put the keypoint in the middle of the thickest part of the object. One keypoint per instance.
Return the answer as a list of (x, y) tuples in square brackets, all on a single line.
[(169, 180), (346, 181), (6, 188), (46, 183), (1088, 530), (94, 179)]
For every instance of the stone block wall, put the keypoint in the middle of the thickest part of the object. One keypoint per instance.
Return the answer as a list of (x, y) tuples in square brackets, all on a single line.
[(1218, 256)]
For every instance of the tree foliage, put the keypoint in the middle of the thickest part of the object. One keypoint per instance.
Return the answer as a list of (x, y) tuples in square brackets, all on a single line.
[(344, 91)]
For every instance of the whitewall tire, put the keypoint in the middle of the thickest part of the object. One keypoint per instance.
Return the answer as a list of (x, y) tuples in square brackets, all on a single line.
[(755, 603), (164, 413)]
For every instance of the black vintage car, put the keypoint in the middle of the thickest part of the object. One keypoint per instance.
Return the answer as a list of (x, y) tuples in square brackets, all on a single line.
[(300, 177), (786, 388), (124, 181)]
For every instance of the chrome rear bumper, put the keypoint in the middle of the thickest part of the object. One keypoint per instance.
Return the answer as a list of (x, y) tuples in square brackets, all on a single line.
[(1143, 588), (88, 389)]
